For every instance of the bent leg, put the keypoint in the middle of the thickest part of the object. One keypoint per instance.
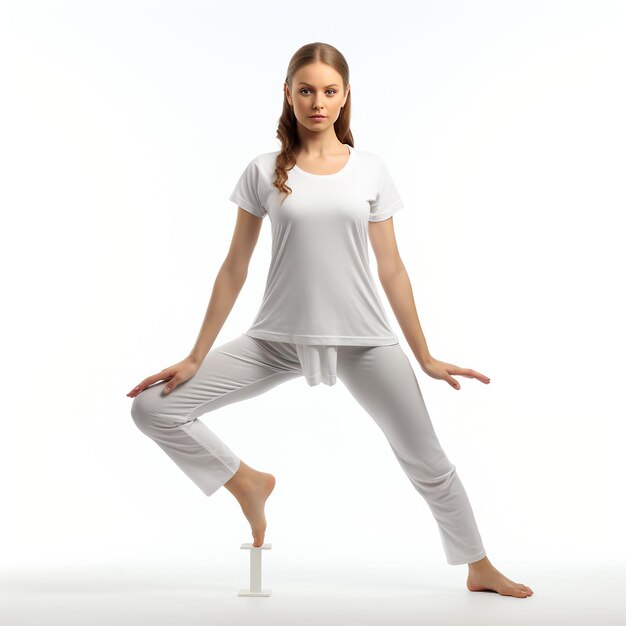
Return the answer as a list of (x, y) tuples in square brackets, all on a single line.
[(236, 370), (382, 380)]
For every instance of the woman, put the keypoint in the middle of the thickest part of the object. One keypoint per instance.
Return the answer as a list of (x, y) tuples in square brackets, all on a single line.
[(321, 316)]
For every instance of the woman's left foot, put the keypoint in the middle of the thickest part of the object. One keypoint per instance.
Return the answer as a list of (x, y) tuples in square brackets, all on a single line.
[(483, 576)]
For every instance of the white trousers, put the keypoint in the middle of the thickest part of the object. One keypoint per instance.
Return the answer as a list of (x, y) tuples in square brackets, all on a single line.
[(380, 378)]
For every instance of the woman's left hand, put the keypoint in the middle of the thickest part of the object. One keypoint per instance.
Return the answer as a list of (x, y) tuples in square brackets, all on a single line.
[(442, 371)]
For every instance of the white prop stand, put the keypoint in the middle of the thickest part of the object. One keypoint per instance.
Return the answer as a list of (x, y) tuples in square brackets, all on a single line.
[(255, 571)]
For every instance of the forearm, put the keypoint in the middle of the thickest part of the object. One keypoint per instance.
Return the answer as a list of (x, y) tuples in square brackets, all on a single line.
[(226, 288), (397, 287)]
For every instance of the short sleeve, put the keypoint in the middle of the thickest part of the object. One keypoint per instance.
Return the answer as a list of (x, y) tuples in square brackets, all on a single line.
[(246, 191), (387, 200)]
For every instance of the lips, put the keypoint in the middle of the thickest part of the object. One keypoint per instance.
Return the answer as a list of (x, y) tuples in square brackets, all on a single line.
[(317, 117)]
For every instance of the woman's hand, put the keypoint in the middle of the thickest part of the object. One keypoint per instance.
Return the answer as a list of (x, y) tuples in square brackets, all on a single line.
[(443, 371), (176, 374)]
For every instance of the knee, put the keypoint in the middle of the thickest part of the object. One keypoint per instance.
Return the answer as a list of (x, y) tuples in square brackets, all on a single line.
[(154, 411), (150, 412), (438, 483), (141, 413), (436, 475), (443, 477)]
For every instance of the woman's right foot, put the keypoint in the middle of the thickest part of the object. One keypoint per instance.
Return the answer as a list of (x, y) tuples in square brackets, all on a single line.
[(252, 489)]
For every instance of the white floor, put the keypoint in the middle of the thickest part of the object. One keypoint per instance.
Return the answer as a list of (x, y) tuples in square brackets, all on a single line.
[(183, 596)]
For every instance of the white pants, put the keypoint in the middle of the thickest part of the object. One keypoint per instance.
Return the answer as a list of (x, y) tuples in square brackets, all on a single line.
[(380, 378)]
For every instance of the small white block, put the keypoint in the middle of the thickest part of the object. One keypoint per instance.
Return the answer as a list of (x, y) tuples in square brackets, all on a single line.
[(255, 571)]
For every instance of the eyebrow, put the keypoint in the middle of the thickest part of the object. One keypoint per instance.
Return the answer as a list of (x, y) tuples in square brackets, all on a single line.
[(333, 85)]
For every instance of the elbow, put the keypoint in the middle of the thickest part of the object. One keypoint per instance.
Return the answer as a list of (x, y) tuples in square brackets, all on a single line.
[(237, 272), (388, 274)]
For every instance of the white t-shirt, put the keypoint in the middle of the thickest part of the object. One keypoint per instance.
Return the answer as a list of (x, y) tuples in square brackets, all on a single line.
[(320, 290)]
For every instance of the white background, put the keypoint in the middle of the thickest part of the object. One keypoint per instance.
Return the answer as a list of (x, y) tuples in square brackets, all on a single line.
[(124, 128)]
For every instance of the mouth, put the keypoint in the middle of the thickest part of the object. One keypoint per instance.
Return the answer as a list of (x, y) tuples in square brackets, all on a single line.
[(317, 117)]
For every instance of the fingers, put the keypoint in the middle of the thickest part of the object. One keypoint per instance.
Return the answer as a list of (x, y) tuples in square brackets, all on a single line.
[(144, 384), (477, 375), (441, 367), (171, 385), (470, 373), (453, 382), (138, 389)]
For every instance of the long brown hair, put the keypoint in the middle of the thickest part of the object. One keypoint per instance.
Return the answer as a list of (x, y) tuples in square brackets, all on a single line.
[(287, 124)]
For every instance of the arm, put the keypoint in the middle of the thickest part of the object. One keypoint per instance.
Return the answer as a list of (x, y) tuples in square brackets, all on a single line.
[(397, 286), (395, 281), (228, 283)]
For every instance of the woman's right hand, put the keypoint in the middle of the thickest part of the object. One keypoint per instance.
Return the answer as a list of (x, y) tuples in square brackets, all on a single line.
[(175, 374)]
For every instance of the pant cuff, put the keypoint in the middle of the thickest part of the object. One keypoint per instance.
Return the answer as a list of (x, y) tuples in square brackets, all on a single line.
[(468, 559)]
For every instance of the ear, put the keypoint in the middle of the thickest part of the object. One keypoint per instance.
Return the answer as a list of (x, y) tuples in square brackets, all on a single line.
[(287, 94)]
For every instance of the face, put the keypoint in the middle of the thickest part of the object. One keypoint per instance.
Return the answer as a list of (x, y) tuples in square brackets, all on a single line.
[(317, 89)]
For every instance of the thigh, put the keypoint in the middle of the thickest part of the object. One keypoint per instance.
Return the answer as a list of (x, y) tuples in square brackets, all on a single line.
[(238, 369), (383, 382)]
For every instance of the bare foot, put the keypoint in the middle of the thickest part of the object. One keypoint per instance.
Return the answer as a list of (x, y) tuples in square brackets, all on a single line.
[(252, 489), (483, 576)]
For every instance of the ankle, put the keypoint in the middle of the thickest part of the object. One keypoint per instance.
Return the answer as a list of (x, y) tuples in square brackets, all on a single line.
[(239, 483)]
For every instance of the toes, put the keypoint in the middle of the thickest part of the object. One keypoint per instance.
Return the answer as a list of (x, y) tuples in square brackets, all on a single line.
[(523, 590)]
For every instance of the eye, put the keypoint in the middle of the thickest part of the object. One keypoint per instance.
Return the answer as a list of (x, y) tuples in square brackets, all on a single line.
[(334, 91)]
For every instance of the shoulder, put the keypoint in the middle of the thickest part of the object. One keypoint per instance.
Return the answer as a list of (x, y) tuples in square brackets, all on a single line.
[(366, 155), (265, 162), (369, 161), (259, 168)]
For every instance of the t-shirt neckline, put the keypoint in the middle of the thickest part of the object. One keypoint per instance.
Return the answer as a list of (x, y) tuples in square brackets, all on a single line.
[(340, 172)]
